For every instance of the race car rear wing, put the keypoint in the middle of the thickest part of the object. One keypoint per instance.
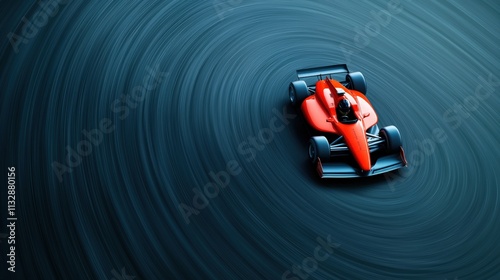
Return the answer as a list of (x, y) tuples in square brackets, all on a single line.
[(319, 73)]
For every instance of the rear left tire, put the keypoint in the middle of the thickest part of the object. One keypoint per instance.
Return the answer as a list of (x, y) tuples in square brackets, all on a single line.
[(356, 81)]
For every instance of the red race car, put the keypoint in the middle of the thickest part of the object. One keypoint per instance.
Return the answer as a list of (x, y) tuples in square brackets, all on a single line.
[(347, 141)]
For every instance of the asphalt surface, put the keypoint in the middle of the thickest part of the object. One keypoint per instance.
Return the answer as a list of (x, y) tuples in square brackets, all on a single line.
[(153, 140)]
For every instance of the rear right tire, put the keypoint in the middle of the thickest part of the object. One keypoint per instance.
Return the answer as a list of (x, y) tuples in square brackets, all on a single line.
[(297, 92)]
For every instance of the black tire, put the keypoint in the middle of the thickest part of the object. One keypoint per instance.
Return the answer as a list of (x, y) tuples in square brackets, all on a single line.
[(319, 148), (356, 81), (297, 92), (392, 138)]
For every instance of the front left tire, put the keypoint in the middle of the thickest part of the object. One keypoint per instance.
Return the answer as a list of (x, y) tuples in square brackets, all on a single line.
[(392, 138)]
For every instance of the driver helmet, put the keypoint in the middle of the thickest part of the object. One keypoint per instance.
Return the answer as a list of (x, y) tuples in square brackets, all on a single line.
[(344, 106)]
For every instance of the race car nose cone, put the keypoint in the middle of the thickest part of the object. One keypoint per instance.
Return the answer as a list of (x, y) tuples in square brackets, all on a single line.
[(365, 166), (365, 173), (363, 159)]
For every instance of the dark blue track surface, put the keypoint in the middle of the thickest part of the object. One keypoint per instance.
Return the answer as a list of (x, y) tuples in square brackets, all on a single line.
[(118, 114)]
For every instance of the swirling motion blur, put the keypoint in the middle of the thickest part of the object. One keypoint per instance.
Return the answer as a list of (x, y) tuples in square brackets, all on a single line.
[(432, 70)]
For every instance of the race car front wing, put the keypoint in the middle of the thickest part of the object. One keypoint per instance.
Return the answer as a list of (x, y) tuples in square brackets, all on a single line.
[(382, 165)]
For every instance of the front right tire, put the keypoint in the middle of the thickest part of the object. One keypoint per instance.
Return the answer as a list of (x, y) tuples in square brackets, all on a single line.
[(319, 148)]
